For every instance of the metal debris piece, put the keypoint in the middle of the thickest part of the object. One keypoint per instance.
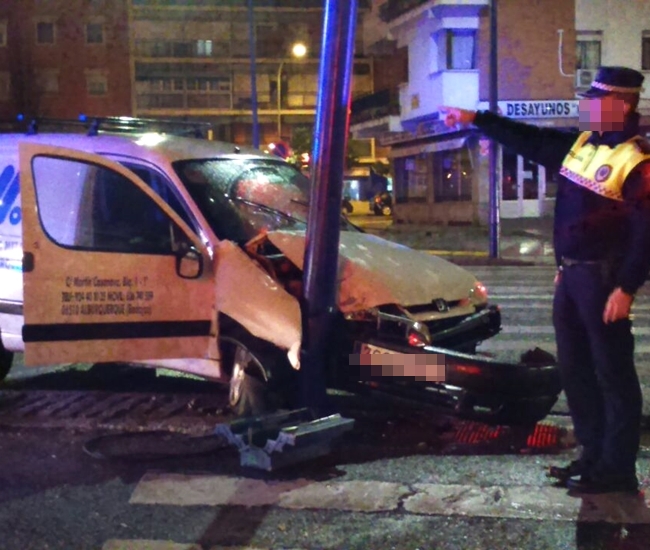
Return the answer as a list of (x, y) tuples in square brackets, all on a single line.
[(277, 440)]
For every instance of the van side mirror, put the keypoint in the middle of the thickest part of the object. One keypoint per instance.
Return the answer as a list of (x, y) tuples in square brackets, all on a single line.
[(189, 263)]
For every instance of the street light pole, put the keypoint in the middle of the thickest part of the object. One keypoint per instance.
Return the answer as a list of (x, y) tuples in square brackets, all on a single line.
[(298, 50), (251, 31), (279, 98), (495, 227)]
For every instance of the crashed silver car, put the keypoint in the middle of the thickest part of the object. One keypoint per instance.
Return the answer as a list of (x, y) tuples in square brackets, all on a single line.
[(187, 254)]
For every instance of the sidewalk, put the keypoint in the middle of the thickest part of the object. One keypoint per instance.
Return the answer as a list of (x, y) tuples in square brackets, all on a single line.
[(523, 241)]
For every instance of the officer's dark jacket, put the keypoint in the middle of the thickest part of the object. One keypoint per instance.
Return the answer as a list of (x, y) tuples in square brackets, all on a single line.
[(587, 226)]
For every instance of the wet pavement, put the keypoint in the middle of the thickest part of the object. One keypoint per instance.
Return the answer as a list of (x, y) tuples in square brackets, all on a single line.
[(526, 241)]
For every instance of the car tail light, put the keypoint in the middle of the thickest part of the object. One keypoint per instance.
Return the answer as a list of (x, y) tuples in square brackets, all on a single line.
[(467, 369), (418, 335)]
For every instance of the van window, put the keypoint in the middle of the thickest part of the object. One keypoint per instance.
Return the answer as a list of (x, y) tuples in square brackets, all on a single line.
[(161, 186), (85, 206)]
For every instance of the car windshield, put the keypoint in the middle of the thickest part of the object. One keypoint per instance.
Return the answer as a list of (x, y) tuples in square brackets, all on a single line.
[(241, 197)]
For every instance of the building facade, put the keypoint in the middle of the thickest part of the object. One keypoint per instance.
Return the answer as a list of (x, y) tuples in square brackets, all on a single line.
[(548, 51), (64, 57), (186, 60), (192, 59), (441, 175)]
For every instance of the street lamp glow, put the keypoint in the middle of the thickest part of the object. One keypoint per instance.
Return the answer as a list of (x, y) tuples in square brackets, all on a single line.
[(299, 50)]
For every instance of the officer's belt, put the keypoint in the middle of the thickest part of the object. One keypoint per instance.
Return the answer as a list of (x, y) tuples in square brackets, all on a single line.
[(570, 262)]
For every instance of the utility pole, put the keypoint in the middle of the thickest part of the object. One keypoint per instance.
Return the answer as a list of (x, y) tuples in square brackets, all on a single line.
[(252, 45), (495, 216), (319, 307)]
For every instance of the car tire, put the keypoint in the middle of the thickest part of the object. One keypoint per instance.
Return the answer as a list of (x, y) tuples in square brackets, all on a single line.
[(260, 374), (6, 359)]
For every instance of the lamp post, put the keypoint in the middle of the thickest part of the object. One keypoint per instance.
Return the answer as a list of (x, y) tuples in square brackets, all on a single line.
[(298, 50), (252, 46)]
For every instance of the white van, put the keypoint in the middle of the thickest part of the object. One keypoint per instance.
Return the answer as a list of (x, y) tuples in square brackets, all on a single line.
[(187, 253)]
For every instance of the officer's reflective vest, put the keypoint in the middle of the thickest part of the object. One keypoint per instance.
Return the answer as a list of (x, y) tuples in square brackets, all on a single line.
[(603, 169)]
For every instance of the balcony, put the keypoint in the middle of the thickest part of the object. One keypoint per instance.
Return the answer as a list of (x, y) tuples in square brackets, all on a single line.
[(374, 114), (228, 4), (394, 9), (373, 106), (227, 102)]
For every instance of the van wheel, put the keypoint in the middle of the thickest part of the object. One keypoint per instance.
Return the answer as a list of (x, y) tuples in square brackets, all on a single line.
[(6, 359), (258, 382), (247, 390)]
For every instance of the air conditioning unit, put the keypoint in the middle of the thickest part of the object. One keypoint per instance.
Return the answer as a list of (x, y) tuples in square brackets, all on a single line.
[(584, 77)]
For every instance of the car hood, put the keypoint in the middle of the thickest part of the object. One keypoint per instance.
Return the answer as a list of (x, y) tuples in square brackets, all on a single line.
[(373, 271)]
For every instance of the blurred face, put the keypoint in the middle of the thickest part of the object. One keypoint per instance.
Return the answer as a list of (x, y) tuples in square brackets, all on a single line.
[(602, 114)]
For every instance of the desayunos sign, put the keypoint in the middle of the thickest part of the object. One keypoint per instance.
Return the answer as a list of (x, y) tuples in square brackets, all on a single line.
[(550, 108), (9, 190)]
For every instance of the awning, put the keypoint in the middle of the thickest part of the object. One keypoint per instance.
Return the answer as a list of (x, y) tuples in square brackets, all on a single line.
[(433, 147)]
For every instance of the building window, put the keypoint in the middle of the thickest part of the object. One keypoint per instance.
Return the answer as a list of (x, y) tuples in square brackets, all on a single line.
[(94, 33), (588, 57), (3, 33), (453, 176), (413, 175), (96, 84), (5, 85), (45, 32), (645, 51), (458, 49), (587, 54), (203, 84), (47, 81), (204, 48)]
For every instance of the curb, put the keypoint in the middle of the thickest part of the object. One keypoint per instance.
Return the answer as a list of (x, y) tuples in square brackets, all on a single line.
[(477, 258)]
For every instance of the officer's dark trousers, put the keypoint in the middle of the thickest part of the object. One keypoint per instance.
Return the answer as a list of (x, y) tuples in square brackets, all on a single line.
[(597, 369)]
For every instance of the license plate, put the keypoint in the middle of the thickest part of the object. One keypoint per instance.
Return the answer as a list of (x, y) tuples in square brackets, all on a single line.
[(376, 361), (366, 349)]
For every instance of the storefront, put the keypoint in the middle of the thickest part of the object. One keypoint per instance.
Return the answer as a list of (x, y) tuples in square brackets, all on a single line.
[(442, 177)]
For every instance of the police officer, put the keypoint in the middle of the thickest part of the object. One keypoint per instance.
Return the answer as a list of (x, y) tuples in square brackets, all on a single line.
[(602, 247)]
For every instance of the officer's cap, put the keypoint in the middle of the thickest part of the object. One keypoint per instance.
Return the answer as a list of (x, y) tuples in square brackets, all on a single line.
[(611, 80)]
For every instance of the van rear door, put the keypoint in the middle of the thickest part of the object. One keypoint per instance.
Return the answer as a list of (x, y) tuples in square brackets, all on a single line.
[(110, 272)]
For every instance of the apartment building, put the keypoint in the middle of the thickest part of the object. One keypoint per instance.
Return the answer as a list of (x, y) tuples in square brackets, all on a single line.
[(547, 52), (613, 32), (441, 175), (60, 58), (173, 59)]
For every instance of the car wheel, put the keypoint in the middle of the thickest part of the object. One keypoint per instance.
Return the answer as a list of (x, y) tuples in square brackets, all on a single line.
[(258, 375), (386, 210), (6, 359), (247, 392)]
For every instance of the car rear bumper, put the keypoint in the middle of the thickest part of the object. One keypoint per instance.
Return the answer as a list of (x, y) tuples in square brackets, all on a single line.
[(469, 385)]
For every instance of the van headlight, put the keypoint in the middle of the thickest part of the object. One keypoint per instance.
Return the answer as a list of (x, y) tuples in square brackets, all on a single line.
[(478, 294)]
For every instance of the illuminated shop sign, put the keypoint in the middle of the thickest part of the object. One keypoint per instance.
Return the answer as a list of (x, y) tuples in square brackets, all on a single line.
[(549, 108)]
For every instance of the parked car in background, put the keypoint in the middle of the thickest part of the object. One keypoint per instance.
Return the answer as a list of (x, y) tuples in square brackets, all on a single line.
[(382, 204)]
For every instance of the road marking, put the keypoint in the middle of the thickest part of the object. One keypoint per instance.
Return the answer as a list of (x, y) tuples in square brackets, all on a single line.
[(209, 490), (514, 502), (353, 496), (141, 544)]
